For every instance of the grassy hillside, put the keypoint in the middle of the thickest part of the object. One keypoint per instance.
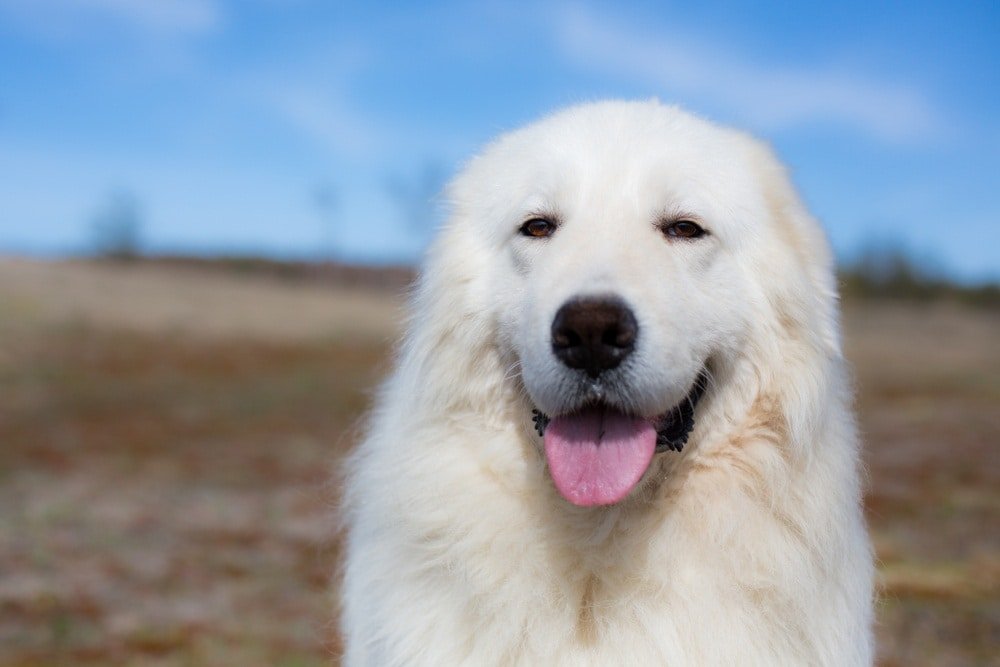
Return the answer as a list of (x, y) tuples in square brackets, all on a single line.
[(167, 435)]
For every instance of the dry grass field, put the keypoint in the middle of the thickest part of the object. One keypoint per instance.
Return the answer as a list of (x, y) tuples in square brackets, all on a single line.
[(167, 438)]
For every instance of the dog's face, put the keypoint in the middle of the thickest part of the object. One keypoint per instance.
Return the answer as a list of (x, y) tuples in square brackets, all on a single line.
[(625, 249)]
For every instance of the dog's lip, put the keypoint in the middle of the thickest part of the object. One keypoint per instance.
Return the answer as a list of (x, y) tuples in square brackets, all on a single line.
[(605, 406), (672, 426), (595, 401)]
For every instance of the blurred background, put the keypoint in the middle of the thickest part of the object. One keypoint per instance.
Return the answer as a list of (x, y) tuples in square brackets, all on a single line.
[(210, 211)]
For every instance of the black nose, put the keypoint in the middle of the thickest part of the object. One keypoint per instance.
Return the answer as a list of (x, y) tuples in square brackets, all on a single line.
[(593, 334)]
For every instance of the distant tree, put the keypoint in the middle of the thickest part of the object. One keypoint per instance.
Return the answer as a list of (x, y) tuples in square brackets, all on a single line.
[(117, 227), (885, 265), (417, 198), (886, 270)]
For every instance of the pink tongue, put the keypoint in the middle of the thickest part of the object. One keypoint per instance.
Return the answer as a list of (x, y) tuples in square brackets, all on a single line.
[(596, 457)]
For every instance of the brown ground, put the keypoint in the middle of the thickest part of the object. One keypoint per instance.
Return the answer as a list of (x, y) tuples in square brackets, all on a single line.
[(166, 438)]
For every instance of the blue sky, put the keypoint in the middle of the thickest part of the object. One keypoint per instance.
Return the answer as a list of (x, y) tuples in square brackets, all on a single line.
[(225, 118)]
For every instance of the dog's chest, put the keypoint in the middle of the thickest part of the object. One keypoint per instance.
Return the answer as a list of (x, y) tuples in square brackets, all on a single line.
[(575, 618)]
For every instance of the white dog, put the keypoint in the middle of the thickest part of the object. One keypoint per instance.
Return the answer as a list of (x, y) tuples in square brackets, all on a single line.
[(619, 430)]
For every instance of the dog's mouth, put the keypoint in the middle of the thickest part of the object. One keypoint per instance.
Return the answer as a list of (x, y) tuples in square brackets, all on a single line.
[(598, 454)]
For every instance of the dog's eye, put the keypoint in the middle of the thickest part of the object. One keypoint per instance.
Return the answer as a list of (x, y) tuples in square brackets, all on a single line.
[(683, 229), (538, 228)]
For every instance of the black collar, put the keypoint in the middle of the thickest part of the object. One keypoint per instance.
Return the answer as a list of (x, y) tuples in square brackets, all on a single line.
[(673, 431)]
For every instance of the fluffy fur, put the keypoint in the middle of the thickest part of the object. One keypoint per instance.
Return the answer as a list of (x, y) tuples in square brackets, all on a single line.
[(747, 548)]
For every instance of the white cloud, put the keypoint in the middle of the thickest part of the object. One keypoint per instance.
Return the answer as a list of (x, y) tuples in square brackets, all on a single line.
[(56, 18), (316, 92), (770, 96), (327, 118), (312, 91), (160, 15)]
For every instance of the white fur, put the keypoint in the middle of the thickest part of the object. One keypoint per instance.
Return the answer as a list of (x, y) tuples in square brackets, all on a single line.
[(748, 548)]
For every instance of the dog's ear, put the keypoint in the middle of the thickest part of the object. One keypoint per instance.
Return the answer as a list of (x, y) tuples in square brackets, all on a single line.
[(809, 302), (448, 361), (802, 365)]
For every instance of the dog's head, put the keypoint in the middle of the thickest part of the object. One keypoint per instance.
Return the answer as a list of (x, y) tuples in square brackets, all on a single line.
[(624, 254)]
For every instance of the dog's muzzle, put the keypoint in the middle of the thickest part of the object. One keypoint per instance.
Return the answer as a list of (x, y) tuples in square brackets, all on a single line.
[(672, 429)]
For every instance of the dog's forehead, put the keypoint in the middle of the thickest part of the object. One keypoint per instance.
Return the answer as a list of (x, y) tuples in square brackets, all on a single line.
[(620, 155)]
